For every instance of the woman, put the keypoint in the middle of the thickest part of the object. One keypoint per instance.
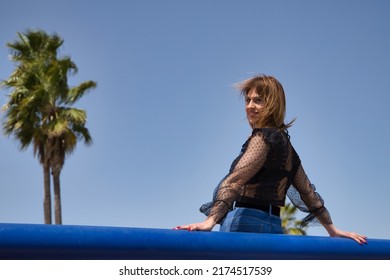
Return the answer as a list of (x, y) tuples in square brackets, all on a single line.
[(249, 198)]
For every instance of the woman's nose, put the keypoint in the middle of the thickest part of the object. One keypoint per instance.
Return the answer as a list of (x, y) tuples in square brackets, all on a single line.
[(250, 104)]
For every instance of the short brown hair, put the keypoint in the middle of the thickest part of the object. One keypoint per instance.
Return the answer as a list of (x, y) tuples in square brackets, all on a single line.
[(271, 92)]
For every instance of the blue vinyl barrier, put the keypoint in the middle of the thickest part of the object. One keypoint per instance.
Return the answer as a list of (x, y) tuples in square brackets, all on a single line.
[(45, 242)]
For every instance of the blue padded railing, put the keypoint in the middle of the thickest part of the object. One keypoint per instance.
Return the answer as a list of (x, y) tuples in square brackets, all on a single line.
[(44, 242)]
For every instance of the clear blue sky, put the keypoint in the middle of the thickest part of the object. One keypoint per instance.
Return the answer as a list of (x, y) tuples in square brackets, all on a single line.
[(167, 122)]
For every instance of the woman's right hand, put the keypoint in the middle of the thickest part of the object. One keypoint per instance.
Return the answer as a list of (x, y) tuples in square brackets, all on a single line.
[(335, 232)]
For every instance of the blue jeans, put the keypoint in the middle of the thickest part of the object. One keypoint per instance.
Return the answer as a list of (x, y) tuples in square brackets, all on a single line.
[(251, 220)]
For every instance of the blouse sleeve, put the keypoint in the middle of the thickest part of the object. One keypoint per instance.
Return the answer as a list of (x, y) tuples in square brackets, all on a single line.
[(304, 196), (248, 164)]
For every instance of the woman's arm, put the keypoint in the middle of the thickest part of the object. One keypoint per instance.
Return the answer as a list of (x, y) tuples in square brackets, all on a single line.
[(315, 206), (249, 163)]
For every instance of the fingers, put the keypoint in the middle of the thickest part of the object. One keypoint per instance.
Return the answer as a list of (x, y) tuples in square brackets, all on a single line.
[(206, 225), (361, 239), (185, 227)]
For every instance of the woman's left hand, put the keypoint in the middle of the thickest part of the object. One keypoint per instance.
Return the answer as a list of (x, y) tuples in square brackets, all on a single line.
[(207, 225)]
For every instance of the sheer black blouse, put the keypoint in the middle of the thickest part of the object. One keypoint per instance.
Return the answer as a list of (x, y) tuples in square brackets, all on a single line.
[(267, 169)]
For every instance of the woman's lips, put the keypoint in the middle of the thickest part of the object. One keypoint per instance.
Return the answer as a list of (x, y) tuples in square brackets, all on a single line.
[(252, 114)]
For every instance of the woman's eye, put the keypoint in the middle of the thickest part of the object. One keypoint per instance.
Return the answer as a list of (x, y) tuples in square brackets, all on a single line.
[(255, 100)]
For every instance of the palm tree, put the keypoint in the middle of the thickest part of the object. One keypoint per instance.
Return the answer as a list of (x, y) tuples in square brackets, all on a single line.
[(290, 224), (39, 111)]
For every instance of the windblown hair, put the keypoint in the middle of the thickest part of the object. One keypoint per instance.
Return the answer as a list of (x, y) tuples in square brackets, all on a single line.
[(271, 92)]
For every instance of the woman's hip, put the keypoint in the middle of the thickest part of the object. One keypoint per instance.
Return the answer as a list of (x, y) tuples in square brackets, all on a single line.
[(251, 220)]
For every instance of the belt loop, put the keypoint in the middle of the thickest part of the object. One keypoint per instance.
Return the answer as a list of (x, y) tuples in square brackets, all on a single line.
[(270, 209)]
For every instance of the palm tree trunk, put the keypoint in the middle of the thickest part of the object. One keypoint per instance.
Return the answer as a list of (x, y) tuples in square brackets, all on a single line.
[(47, 194), (57, 198)]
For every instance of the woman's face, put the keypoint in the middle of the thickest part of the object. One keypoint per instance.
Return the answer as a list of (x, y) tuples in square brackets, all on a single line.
[(253, 107)]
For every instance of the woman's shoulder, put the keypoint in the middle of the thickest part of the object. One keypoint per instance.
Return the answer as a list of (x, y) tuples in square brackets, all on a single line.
[(272, 135)]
